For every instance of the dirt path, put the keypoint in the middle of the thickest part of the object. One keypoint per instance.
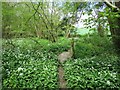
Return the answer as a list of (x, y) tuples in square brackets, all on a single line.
[(62, 82)]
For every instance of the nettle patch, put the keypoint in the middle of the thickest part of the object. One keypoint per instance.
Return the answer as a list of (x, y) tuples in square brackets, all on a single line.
[(29, 69), (96, 72)]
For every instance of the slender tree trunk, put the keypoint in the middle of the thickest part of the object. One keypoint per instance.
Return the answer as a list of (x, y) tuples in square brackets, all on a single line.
[(100, 27), (100, 30)]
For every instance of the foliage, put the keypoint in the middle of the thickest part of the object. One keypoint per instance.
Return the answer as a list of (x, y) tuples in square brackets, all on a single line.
[(26, 43), (63, 44), (29, 68), (94, 73), (14, 20), (31, 62), (35, 20), (89, 46)]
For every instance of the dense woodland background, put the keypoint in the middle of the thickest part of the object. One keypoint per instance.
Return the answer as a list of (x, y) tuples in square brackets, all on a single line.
[(35, 33)]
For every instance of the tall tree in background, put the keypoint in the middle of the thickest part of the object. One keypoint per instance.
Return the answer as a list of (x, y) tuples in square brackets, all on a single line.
[(114, 21)]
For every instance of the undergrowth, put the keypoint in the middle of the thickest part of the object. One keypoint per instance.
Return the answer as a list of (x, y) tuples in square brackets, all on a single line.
[(32, 63)]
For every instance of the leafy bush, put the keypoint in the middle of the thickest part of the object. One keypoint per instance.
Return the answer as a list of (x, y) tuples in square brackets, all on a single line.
[(84, 50), (104, 42), (32, 63), (63, 44), (97, 72), (26, 43), (92, 46), (42, 45)]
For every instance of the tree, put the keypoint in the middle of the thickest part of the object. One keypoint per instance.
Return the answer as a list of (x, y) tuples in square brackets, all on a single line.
[(72, 12), (37, 19), (14, 20), (114, 21), (48, 14)]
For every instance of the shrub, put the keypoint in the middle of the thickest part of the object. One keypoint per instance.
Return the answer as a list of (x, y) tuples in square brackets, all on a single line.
[(92, 46), (63, 44), (83, 50)]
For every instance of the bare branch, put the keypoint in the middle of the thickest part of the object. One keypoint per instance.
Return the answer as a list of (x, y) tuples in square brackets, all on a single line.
[(43, 19), (36, 10), (33, 14), (46, 16), (111, 5)]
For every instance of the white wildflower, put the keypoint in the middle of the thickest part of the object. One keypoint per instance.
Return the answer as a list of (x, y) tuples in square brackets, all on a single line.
[(20, 69), (21, 74), (108, 82), (20, 54), (35, 69)]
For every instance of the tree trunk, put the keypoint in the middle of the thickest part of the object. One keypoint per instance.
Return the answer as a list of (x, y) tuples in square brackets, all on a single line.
[(100, 27), (115, 28), (115, 31), (100, 30)]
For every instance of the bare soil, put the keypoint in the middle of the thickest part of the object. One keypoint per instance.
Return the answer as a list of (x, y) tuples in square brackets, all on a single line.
[(62, 82)]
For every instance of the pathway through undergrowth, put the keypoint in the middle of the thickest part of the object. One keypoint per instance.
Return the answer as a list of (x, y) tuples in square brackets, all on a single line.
[(62, 82)]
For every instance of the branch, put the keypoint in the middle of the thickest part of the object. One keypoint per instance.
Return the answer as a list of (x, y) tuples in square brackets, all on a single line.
[(36, 10), (80, 16), (33, 14), (45, 16), (111, 5), (43, 19)]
